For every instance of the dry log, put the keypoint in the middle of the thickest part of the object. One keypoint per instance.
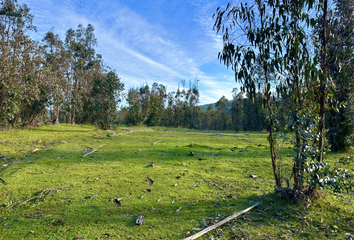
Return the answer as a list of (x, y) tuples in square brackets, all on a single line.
[(208, 229)]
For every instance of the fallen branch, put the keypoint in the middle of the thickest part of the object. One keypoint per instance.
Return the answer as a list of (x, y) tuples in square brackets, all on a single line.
[(52, 189), (49, 191), (89, 153), (28, 200), (86, 179), (3, 180), (94, 150), (208, 229), (156, 142)]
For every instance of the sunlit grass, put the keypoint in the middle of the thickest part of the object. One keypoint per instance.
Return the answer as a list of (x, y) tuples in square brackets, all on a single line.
[(211, 185)]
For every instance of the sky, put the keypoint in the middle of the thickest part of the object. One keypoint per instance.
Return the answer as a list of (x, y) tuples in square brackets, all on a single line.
[(147, 41)]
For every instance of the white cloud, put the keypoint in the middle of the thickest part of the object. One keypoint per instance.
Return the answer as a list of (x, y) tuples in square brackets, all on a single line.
[(159, 47)]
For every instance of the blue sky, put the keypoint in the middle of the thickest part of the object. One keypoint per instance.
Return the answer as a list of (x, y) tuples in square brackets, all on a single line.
[(147, 41)]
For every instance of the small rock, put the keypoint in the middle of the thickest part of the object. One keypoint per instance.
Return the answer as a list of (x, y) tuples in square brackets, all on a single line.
[(117, 202), (253, 176), (184, 164), (187, 234), (152, 208), (349, 236), (191, 153), (63, 142), (38, 140), (151, 165), (178, 209), (139, 220)]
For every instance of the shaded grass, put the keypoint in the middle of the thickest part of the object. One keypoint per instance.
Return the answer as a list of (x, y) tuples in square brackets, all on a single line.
[(211, 185)]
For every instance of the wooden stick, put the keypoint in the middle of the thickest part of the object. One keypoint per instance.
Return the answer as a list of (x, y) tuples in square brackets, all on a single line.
[(52, 189), (208, 229), (89, 153), (28, 200), (3, 180), (44, 191), (47, 195), (156, 142), (94, 150), (86, 179)]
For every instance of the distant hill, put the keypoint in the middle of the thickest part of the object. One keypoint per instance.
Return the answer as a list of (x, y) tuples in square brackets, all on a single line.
[(205, 106)]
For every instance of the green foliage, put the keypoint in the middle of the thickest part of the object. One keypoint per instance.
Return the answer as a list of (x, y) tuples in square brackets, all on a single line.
[(53, 76), (105, 93), (148, 106), (341, 69)]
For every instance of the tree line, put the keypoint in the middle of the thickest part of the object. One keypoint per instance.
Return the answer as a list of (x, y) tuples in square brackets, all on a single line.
[(154, 106), (65, 77)]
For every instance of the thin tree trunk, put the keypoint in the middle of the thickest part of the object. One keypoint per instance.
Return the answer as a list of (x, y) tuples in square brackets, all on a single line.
[(323, 80)]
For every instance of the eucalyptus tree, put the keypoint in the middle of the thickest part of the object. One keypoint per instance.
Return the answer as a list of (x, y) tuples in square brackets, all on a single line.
[(83, 64), (190, 104), (223, 116), (168, 115), (106, 94), (179, 108), (136, 114), (55, 56), (255, 35), (260, 41), (23, 86), (237, 113), (341, 70), (158, 97)]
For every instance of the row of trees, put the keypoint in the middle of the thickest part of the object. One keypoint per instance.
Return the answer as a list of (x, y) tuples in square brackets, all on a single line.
[(153, 106), (67, 77)]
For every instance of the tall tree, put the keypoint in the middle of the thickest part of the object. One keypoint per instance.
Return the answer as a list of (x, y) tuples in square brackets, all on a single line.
[(106, 94), (23, 86), (57, 65), (341, 70)]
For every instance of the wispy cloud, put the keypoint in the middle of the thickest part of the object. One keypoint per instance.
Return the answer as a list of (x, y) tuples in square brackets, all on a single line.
[(146, 41)]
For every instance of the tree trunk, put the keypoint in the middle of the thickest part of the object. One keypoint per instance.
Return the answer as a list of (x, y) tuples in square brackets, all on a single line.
[(323, 80)]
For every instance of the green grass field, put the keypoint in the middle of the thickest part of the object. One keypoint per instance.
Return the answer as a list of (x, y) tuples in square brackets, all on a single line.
[(187, 191)]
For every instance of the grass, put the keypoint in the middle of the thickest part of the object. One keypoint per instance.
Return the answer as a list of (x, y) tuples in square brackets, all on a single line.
[(206, 187)]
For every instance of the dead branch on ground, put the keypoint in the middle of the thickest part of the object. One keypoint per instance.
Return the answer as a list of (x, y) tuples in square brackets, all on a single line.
[(3, 180), (156, 142), (45, 191), (208, 229)]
